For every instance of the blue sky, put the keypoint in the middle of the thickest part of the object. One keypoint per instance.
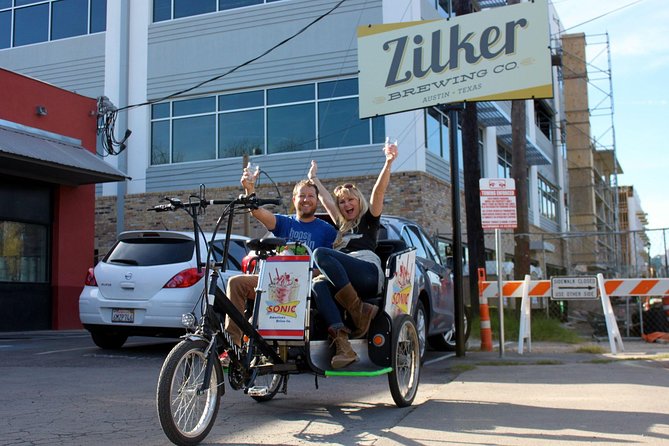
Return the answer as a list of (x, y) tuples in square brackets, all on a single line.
[(638, 33)]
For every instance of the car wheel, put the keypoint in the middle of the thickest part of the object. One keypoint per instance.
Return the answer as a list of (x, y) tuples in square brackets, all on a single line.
[(420, 317), (107, 340), (446, 341)]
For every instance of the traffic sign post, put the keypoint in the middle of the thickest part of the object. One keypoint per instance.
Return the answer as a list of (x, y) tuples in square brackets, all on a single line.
[(498, 211)]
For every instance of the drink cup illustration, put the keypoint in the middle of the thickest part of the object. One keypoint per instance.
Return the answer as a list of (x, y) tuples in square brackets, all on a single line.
[(283, 288)]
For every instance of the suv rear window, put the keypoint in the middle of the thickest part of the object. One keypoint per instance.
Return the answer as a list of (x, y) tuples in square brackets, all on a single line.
[(149, 252)]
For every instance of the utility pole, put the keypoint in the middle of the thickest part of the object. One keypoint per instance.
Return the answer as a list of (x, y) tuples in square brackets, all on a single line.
[(521, 252), (471, 161)]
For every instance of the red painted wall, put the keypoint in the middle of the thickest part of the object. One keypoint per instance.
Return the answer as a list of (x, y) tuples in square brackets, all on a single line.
[(75, 116)]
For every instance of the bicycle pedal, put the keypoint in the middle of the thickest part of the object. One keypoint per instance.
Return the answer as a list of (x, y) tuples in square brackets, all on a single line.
[(258, 391)]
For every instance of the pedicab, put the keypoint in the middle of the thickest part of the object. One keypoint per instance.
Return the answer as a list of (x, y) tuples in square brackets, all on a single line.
[(283, 336)]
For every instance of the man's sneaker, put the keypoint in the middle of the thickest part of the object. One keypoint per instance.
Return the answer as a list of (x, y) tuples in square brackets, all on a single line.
[(225, 359)]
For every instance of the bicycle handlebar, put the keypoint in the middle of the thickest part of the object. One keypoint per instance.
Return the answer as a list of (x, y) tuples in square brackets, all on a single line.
[(249, 201)]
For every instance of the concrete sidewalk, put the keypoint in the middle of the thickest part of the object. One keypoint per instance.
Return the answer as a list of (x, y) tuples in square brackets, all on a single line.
[(553, 395)]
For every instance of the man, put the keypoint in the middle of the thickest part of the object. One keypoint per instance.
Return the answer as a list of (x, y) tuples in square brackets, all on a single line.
[(304, 227)]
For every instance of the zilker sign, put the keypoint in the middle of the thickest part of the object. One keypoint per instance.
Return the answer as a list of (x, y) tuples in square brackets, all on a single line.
[(492, 55)]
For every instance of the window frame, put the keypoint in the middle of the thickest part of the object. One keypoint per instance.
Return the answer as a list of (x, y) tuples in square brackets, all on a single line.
[(9, 33), (164, 112)]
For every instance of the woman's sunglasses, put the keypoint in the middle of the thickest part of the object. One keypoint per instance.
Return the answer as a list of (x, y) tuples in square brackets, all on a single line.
[(344, 186)]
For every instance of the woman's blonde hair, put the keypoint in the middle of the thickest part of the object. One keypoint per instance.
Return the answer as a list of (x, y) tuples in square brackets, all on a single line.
[(349, 225)]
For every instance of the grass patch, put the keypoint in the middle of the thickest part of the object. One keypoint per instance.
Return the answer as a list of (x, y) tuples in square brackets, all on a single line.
[(549, 362), (501, 363), (514, 363), (602, 361), (461, 368), (543, 328), (591, 348)]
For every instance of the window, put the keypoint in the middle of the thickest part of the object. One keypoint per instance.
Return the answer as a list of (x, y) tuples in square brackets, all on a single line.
[(481, 151), (412, 238), (35, 21), (437, 136), (548, 199), (176, 9), (503, 162), (23, 252), (287, 119), (543, 117)]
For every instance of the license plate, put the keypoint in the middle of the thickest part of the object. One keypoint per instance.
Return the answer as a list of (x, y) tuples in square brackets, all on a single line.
[(123, 315)]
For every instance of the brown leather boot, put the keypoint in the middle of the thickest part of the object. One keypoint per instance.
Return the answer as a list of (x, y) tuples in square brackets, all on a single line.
[(362, 313), (344, 355)]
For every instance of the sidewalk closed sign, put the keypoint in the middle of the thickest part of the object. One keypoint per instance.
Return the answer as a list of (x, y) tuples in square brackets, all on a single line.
[(580, 287), (498, 203)]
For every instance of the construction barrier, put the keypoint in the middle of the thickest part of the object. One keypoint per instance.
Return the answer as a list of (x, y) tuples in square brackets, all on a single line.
[(607, 288)]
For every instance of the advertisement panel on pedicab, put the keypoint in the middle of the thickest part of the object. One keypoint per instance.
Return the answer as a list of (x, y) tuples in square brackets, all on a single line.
[(286, 282), (399, 291)]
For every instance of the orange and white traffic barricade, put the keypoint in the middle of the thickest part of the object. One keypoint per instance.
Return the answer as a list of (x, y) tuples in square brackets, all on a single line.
[(605, 289), (634, 287), (524, 289)]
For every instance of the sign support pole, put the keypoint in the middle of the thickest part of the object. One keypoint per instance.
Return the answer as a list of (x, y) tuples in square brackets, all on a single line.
[(500, 290), (457, 228)]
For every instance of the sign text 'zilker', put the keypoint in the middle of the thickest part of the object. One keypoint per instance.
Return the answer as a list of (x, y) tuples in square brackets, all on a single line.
[(489, 55)]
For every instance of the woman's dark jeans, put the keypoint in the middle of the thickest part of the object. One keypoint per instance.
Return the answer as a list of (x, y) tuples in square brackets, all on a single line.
[(338, 270)]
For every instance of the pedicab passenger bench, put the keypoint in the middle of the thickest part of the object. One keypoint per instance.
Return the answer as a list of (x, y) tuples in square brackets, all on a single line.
[(283, 315)]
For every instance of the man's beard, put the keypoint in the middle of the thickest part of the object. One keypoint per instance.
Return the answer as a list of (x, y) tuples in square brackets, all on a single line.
[(302, 214)]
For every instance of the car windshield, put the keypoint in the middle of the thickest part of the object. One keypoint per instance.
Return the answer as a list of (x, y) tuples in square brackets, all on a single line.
[(149, 252)]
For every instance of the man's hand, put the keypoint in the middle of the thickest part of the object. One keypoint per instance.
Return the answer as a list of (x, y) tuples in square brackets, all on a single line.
[(248, 180), (312, 170)]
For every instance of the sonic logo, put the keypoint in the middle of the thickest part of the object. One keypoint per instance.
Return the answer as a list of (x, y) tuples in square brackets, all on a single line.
[(400, 298), (402, 288), (288, 309)]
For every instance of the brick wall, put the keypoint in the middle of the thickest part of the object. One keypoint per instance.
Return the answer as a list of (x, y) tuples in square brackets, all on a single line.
[(414, 195)]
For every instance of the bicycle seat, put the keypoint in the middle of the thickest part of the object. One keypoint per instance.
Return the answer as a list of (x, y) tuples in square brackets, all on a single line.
[(265, 244)]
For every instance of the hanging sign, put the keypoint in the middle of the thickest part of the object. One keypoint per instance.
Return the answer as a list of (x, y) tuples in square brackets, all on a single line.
[(492, 55)]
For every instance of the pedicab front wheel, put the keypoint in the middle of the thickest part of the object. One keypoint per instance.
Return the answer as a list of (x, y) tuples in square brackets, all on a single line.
[(405, 361), (187, 413)]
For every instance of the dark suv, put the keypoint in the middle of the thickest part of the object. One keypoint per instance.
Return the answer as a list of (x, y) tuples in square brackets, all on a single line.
[(434, 306)]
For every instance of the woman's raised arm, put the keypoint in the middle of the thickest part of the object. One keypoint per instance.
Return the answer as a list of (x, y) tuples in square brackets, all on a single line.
[(379, 190)]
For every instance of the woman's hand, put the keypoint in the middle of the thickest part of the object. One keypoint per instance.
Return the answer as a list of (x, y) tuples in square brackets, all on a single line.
[(312, 170), (390, 150)]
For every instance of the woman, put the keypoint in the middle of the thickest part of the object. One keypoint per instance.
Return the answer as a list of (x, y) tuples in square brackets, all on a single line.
[(351, 269)]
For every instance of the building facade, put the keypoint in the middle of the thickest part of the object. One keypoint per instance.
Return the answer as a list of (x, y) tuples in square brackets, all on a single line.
[(204, 86), (47, 174)]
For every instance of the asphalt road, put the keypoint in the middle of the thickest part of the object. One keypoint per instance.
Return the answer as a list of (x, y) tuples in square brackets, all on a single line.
[(61, 389)]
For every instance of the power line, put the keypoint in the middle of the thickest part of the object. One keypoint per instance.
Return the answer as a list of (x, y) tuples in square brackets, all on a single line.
[(599, 16)]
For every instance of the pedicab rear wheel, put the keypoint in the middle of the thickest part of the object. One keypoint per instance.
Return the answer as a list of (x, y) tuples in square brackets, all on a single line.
[(187, 414), (405, 361)]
